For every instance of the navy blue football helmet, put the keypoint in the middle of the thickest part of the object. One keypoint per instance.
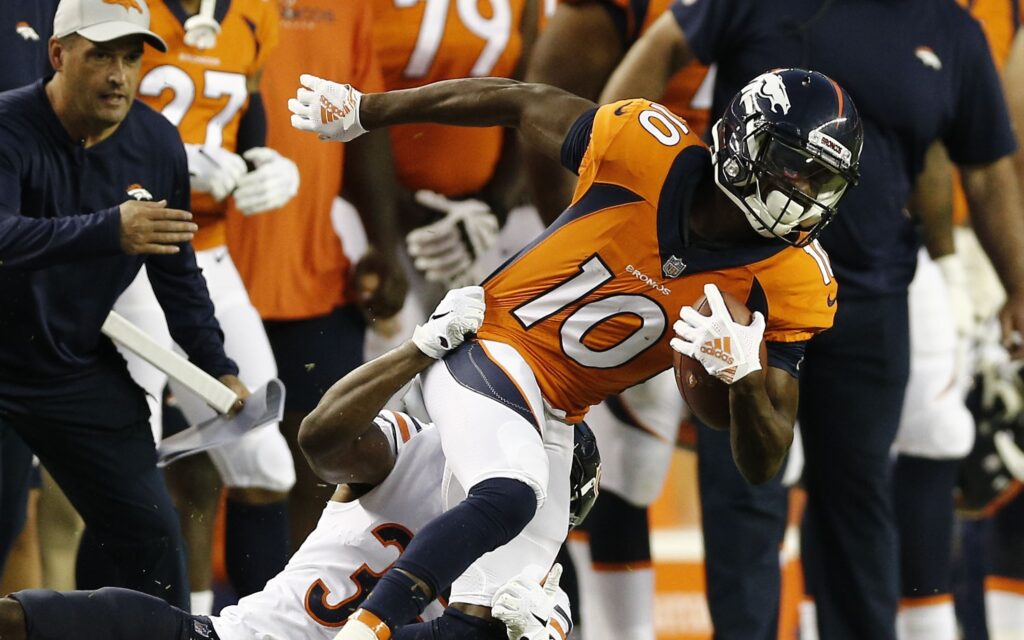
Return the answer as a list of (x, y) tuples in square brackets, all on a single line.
[(786, 149), (585, 476)]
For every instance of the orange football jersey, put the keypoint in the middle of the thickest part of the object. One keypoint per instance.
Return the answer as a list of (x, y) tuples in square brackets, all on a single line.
[(292, 261), (204, 92), (423, 41), (590, 304), (999, 20)]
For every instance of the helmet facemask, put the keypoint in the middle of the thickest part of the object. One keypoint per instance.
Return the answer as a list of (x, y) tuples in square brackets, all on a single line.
[(780, 186)]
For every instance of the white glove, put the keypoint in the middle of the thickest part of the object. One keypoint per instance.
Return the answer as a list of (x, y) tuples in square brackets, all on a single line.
[(728, 350), (214, 170), (525, 606), (446, 250), (273, 182), (951, 266), (201, 30), (460, 313), (329, 109)]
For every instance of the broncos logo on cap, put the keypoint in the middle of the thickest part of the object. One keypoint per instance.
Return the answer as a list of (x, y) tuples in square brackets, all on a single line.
[(127, 4)]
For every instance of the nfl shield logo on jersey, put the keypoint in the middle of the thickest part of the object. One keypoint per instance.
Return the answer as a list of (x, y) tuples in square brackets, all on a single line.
[(673, 267)]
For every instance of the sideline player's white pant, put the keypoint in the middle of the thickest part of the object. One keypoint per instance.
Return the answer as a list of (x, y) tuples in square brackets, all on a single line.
[(484, 438), (935, 423), (261, 459), (637, 433)]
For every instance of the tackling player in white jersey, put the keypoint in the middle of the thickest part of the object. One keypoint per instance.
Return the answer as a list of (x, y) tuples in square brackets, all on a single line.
[(390, 473)]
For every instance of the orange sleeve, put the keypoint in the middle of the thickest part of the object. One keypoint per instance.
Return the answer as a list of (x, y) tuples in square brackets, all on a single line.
[(267, 34), (366, 71), (633, 143), (802, 302)]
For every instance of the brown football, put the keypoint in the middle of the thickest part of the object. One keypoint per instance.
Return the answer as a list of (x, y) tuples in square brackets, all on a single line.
[(705, 395)]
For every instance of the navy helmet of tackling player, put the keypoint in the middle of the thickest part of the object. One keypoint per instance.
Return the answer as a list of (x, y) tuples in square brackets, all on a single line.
[(585, 475), (786, 149)]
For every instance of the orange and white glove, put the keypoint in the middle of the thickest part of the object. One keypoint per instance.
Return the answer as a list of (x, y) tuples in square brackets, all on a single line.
[(326, 108), (728, 350), (528, 608)]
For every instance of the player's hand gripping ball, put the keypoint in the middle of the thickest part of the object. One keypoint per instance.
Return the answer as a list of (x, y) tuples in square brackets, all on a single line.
[(329, 109), (458, 315), (718, 341)]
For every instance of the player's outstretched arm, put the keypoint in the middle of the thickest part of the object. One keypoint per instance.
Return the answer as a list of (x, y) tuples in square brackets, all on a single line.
[(762, 400), (650, 62), (542, 114), (338, 437)]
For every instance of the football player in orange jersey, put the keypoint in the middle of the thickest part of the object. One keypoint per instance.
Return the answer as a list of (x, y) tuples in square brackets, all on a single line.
[(459, 182), (208, 85), (657, 219), (579, 49)]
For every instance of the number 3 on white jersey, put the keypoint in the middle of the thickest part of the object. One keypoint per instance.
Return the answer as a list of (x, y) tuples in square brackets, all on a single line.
[(495, 30), (216, 84)]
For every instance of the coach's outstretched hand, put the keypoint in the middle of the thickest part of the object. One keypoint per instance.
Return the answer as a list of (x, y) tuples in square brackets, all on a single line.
[(329, 109), (459, 314), (728, 350), (150, 227)]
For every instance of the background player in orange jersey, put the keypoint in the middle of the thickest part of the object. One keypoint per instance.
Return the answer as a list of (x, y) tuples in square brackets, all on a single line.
[(578, 50), (207, 84), (656, 220), (314, 299), (459, 183)]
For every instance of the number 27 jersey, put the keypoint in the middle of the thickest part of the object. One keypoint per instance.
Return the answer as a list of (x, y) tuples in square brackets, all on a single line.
[(590, 303)]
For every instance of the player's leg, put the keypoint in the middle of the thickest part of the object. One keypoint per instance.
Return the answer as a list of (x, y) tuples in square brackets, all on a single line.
[(257, 470), (490, 415), (109, 474), (109, 613), (851, 395), (743, 527), (1004, 587), (312, 354), (60, 532), (936, 432), (637, 431)]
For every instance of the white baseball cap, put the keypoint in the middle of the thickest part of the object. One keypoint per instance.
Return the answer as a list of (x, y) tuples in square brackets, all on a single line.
[(105, 20)]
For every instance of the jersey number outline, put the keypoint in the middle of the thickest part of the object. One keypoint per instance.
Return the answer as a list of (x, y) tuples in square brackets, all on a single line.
[(216, 84), (496, 31), (365, 579), (592, 275), (672, 129)]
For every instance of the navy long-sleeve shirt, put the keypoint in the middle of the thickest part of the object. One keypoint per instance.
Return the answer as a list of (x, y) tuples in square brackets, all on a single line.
[(25, 28), (61, 263)]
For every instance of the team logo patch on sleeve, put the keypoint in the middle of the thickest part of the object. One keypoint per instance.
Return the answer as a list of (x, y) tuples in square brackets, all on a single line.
[(26, 31)]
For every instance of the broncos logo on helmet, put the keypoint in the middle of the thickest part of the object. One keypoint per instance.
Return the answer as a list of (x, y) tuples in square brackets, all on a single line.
[(785, 151), (585, 475)]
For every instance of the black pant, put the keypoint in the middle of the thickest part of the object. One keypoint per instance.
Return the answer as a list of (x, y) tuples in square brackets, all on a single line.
[(15, 473), (851, 395), (109, 613), (109, 474)]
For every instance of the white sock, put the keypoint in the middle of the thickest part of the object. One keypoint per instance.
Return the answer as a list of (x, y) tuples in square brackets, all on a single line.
[(202, 602), (808, 620), (933, 621), (617, 605), (1005, 613)]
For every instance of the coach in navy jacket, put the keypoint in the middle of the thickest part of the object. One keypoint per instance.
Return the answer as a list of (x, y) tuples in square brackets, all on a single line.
[(92, 185)]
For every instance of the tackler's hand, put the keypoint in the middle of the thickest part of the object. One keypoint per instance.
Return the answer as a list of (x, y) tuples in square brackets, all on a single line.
[(526, 606), (458, 315), (728, 350), (329, 109)]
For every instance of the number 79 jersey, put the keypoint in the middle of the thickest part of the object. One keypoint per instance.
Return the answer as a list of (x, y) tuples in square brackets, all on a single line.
[(591, 302)]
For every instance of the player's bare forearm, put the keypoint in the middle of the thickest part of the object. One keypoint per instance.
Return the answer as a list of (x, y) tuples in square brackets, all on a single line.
[(997, 212), (762, 406), (650, 62), (932, 202), (339, 438), (542, 114), (371, 185)]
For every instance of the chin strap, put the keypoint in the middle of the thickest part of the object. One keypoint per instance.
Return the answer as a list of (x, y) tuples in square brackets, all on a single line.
[(201, 30)]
